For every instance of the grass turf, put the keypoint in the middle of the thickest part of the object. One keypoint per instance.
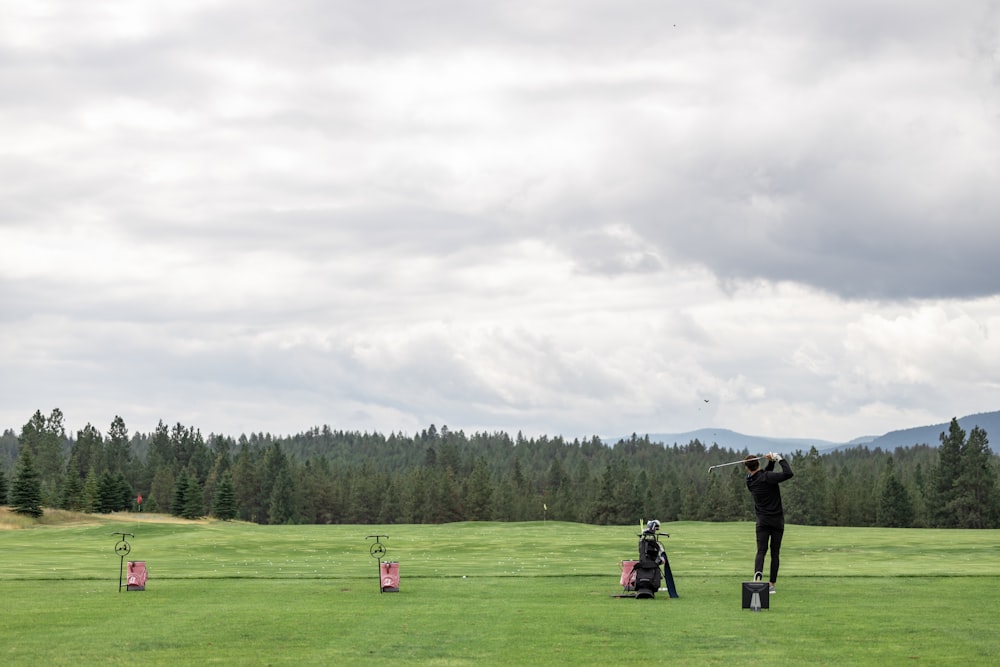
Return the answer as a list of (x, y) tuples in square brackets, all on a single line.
[(489, 593)]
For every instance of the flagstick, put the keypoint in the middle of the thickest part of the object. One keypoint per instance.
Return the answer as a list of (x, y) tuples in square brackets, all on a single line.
[(138, 502)]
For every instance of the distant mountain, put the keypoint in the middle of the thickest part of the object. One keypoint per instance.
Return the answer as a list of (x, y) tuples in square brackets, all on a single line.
[(738, 441), (931, 435), (920, 435)]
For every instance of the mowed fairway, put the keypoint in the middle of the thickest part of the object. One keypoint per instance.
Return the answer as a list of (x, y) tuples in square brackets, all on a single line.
[(490, 593)]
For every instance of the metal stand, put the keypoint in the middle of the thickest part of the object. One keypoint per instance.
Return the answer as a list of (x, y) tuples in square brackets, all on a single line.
[(378, 550), (122, 548)]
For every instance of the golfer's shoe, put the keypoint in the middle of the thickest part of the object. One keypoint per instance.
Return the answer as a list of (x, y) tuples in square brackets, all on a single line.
[(770, 589)]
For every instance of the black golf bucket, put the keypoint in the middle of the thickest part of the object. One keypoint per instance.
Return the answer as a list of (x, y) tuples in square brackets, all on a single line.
[(756, 595)]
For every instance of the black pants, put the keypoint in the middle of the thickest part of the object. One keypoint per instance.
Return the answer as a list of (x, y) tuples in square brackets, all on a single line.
[(772, 534)]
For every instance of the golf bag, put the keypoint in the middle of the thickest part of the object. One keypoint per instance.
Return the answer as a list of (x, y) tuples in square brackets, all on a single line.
[(647, 570)]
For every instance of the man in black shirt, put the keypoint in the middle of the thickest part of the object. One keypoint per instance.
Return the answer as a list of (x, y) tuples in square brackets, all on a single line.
[(763, 486)]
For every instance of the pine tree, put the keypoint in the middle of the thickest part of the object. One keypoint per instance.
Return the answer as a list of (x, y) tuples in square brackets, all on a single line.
[(72, 493), (44, 438), (807, 496), (3, 488), (107, 493), (895, 508), (180, 494), (504, 499), (838, 506), (974, 502), (603, 510), (225, 498), (117, 455), (919, 497), (247, 484), (942, 510), (194, 503), (274, 466), (161, 490), (281, 509), (123, 493), (478, 493), (26, 492), (91, 493), (667, 497), (443, 498), (712, 503), (86, 452)]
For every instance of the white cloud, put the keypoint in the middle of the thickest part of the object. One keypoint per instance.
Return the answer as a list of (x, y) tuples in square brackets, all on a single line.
[(580, 219)]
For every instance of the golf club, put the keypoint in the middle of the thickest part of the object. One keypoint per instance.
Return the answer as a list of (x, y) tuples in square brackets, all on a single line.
[(733, 463)]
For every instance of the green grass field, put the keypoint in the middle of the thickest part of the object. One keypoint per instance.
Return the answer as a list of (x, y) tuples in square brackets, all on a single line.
[(488, 593)]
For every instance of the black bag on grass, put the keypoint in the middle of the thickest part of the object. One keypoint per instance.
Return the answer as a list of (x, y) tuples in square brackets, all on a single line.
[(647, 570)]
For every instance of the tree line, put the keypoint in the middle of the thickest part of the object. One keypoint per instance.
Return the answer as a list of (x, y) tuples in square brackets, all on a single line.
[(327, 476)]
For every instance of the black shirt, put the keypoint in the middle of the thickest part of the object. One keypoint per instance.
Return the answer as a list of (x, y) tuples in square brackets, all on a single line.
[(763, 486)]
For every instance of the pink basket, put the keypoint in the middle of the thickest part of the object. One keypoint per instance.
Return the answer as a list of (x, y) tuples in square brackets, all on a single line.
[(389, 573), (137, 575), (628, 574)]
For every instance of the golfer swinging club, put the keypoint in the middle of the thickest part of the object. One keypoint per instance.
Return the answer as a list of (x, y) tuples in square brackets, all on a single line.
[(763, 486)]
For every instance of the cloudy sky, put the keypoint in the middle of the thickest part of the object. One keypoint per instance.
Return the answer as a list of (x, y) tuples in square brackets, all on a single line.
[(569, 217)]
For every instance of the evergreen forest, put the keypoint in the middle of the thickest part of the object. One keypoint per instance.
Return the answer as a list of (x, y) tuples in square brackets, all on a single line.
[(325, 476)]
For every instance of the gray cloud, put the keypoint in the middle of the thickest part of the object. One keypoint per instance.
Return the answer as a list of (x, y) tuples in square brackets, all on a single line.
[(560, 219)]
